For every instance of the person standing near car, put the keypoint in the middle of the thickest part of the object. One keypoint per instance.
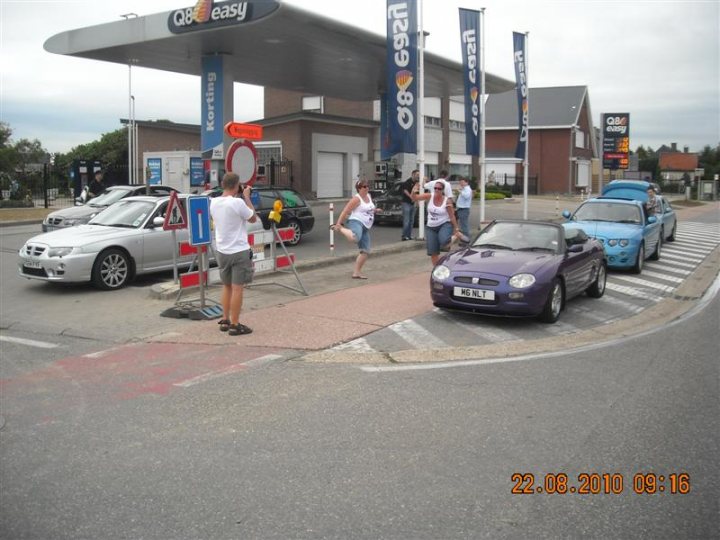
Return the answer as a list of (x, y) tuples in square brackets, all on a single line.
[(651, 206), (360, 214), (462, 207), (96, 187), (442, 225), (231, 215), (408, 205)]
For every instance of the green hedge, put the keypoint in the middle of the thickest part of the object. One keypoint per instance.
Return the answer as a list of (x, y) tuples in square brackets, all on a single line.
[(12, 203)]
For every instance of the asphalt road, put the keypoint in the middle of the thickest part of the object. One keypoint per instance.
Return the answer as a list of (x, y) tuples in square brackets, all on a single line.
[(297, 450)]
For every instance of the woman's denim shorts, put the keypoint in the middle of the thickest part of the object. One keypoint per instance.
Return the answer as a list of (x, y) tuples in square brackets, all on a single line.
[(362, 234), (436, 237)]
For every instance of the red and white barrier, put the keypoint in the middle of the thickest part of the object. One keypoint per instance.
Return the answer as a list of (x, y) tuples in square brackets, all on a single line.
[(262, 264)]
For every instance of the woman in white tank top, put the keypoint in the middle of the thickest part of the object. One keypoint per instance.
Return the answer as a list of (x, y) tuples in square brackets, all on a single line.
[(360, 214), (442, 226)]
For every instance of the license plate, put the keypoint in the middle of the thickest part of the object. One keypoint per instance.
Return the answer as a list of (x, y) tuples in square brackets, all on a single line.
[(32, 264), (388, 213), (477, 294)]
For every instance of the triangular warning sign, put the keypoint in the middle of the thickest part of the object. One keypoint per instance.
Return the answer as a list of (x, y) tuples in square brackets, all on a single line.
[(175, 216)]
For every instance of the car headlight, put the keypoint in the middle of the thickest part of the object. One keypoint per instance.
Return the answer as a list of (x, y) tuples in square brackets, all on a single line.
[(441, 272), (612, 242), (60, 251), (624, 242), (71, 222), (522, 281)]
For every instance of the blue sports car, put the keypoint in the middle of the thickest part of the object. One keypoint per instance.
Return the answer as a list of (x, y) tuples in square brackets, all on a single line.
[(621, 225), (520, 268)]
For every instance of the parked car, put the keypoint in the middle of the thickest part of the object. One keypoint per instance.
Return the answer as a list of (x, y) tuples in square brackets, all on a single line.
[(520, 268), (125, 240), (296, 211), (668, 218), (626, 233), (389, 206), (78, 215)]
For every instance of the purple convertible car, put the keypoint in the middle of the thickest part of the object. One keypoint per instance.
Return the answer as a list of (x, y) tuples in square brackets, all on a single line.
[(520, 268)]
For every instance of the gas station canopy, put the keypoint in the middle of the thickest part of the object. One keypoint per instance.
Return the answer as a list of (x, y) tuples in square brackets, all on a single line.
[(280, 46)]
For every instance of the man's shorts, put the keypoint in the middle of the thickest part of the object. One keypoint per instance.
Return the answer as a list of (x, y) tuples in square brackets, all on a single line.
[(236, 268)]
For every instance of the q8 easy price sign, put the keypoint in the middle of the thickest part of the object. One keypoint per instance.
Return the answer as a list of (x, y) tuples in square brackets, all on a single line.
[(616, 140)]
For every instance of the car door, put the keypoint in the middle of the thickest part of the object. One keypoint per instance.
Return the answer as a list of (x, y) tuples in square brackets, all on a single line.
[(158, 244), (578, 266), (668, 218)]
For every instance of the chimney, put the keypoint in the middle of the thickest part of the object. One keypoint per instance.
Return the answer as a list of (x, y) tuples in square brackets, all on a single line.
[(686, 149), (674, 146)]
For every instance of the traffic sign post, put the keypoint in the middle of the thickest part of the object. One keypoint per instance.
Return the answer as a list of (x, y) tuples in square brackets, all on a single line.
[(175, 218), (199, 225)]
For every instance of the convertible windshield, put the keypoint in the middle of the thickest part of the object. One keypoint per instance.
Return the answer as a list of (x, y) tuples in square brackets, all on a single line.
[(124, 214), (109, 197), (519, 237), (608, 211)]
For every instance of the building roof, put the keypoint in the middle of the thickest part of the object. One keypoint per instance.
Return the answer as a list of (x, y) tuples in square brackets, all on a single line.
[(166, 124), (285, 47), (678, 161), (553, 107)]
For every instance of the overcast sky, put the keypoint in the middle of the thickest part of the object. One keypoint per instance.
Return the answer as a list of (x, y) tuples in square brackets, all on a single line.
[(657, 60)]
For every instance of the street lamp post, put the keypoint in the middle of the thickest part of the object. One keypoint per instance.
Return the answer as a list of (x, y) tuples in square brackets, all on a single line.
[(131, 114)]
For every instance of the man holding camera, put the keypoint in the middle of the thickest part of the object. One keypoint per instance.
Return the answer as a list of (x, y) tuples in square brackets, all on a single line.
[(231, 215)]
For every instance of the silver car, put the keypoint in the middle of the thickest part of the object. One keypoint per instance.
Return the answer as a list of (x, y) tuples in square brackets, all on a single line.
[(123, 241), (79, 215)]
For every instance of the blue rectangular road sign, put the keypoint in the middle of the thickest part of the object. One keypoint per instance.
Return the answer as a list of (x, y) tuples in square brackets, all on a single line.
[(199, 220)]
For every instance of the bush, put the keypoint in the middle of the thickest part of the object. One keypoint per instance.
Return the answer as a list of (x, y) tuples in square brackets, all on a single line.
[(490, 195), (16, 203)]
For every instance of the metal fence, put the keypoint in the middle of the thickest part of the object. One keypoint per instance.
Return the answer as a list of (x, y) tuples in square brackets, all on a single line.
[(514, 184), (48, 188)]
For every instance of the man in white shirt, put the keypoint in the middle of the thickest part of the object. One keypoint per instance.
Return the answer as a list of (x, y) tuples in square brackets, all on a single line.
[(442, 178), (234, 255)]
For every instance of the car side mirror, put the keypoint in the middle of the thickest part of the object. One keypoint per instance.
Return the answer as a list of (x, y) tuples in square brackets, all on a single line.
[(566, 214), (575, 248), (652, 219), (158, 221)]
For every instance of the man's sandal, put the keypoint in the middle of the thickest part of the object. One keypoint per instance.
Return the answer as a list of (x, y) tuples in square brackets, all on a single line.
[(239, 329)]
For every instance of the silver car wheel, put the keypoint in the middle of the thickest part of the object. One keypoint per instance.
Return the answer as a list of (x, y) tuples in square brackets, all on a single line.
[(111, 270)]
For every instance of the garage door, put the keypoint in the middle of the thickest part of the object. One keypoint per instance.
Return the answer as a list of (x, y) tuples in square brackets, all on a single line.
[(330, 175)]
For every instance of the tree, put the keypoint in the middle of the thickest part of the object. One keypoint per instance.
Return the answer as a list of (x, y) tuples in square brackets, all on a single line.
[(110, 150), (648, 160), (709, 159)]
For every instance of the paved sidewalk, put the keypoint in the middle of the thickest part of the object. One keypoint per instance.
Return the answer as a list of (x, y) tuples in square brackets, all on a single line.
[(340, 309)]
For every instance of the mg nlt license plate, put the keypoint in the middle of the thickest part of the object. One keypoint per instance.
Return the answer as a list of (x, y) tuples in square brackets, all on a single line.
[(31, 264), (477, 294)]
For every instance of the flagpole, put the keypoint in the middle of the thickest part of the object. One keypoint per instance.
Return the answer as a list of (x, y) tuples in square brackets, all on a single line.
[(482, 118), (421, 119), (526, 162)]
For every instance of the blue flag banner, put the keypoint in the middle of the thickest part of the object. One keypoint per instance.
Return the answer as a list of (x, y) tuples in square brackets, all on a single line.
[(211, 113), (522, 92), (470, 44), (401, 81)]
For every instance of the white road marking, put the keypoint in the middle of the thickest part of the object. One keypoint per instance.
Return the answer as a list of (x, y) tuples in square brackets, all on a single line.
[(416, 335), (485, 332), (646, 283), (356, 345), (100, 354), (630, 291), (227, 371), (681, 257), (658, 275), (29, 342)]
